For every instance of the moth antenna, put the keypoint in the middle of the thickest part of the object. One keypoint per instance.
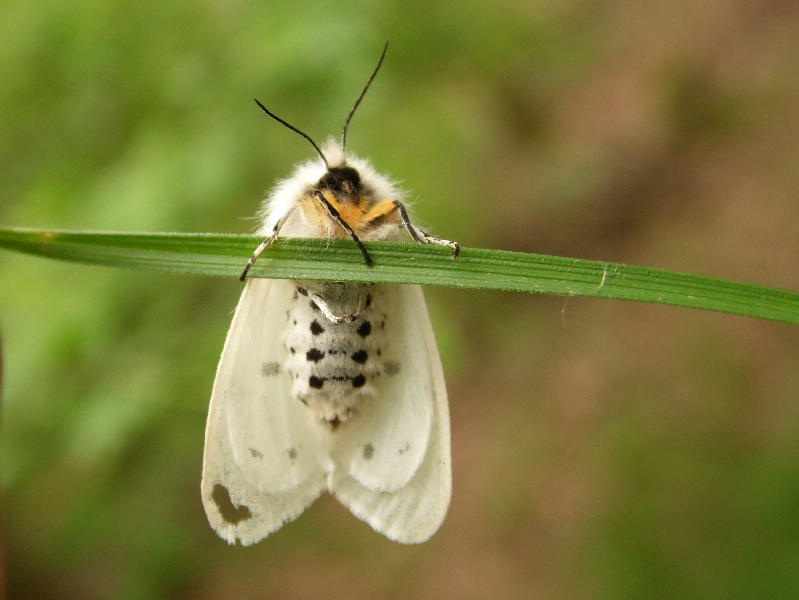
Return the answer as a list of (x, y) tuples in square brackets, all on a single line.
[(363, 93), (295, 130)]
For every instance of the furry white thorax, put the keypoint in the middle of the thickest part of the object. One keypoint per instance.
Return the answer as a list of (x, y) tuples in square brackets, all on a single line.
[(303, 180)]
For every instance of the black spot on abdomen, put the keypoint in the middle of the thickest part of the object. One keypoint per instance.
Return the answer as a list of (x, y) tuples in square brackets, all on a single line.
[(358, 381), (316, 328), (315, 382), (365, 329), (360, 356), (314, 355)]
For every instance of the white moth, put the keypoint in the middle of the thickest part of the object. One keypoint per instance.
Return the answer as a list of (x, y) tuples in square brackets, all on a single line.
[(329, 386)]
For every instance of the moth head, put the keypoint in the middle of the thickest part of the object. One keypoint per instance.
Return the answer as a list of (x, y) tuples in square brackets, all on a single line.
[(340, 178), (342, 181)]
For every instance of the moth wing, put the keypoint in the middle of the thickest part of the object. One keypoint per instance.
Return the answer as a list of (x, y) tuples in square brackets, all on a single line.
[(236, 508), (265, 460), (384, 444), (401, 485)]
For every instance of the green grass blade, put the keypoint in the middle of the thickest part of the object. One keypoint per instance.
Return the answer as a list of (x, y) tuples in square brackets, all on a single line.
[(339, 260)]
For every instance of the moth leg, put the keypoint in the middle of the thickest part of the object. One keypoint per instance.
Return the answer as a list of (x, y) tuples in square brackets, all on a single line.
[(422, 237), (269, 239), (333, 318), (334, 214)]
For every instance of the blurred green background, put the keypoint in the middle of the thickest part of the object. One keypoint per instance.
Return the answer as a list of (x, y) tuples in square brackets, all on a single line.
[(601, 449)]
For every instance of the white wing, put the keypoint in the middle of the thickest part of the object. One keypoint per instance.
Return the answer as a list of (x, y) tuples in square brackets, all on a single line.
[(393, 466), (382, 446), (265, 459)]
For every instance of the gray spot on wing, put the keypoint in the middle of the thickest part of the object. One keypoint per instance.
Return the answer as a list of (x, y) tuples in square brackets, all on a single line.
[(292, 452), (392, 367), (405, 448), (368, 451), (227, 510), (255, 453), (270, 369)]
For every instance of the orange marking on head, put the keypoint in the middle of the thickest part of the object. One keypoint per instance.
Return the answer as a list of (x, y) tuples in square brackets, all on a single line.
[(362, 216), (380, 213)]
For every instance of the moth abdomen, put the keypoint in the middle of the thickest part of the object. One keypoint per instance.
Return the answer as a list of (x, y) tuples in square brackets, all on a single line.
[(334, 364)]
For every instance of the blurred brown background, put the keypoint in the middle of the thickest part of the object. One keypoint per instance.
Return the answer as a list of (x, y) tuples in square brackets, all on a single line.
[(601, 449)]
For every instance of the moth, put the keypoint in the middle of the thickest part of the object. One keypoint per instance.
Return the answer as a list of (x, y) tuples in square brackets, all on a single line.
[(330, 386)]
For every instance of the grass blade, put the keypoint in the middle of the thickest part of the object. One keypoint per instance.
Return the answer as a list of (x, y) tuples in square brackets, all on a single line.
[(339, 260)]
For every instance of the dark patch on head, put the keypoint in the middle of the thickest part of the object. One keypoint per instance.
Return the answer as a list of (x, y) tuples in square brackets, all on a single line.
[(315, 382), (316, 328), (365, 329), (314, 355), (343, 180), (358, 381), (360, 356), (270, 369), (292, 452), (302, 291), (255, 453), (368, 451), (378, 221), (227, 510), (392, 367)]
